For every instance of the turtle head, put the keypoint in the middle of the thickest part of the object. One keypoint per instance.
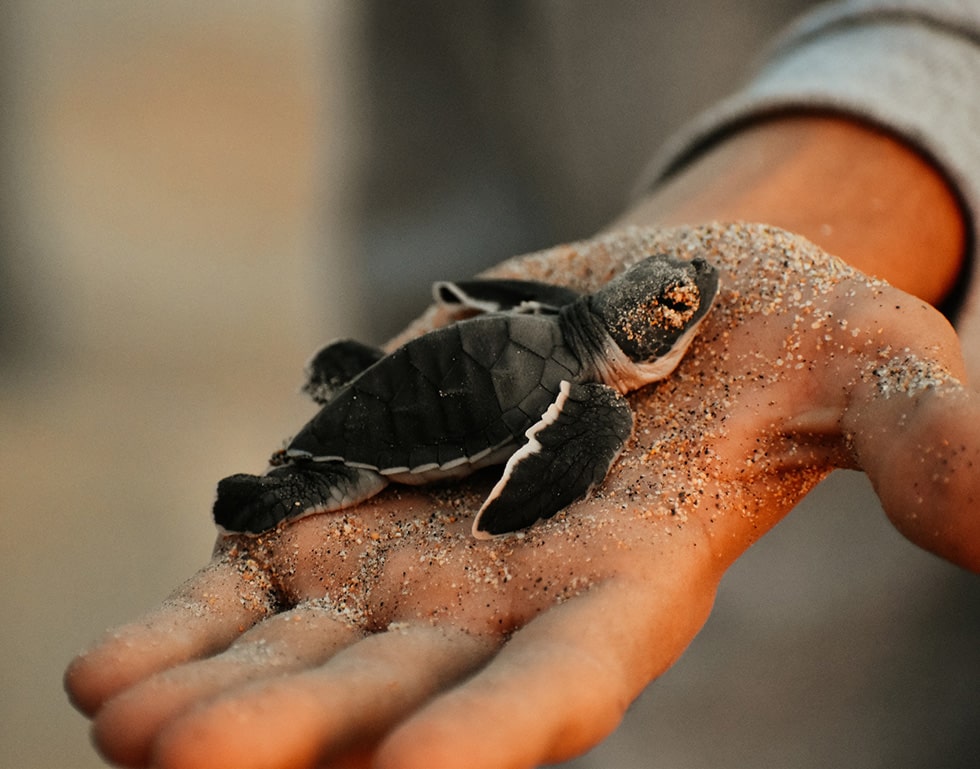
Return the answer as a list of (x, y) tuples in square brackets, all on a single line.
[(652, 309)]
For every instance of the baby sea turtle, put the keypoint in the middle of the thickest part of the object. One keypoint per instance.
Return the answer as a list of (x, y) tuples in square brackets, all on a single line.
[(534, 380)]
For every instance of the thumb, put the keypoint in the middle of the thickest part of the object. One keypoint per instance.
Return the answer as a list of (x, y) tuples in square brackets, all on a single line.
[(915, 431)]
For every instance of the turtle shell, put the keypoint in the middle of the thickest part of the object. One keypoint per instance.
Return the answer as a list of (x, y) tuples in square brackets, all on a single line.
[(451, 398)]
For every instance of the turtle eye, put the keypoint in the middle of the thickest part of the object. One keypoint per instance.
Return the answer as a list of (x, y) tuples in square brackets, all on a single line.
[(683, 298), (673, 304)]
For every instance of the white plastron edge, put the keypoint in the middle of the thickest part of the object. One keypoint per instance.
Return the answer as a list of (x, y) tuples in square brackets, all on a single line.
[(533, 446), (462, 298)]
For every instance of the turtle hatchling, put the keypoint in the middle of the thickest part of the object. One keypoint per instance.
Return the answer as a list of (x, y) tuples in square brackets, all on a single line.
[(533, 380)]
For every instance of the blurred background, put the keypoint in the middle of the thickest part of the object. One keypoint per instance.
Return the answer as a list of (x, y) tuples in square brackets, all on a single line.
[(194, 196)]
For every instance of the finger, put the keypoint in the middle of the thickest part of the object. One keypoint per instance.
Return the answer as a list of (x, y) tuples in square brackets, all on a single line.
[(560, 685), (203, 616), (298, 720), (125, 728)]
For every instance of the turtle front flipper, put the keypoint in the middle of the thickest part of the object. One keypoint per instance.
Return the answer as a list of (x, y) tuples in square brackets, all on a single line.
[(252, 504), (335, 365), (500, 295), (569, 450)]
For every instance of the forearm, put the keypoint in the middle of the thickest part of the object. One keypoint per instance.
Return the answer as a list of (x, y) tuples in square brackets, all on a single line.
[(854, 191)]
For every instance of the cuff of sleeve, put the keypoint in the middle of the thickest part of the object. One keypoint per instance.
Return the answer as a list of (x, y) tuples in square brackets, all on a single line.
[(919, 82), (914, 75)]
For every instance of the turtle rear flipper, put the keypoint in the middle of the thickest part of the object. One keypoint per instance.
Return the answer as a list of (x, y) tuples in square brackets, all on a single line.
[(336, 364), (252, 504), (501, 295), (568, 452)]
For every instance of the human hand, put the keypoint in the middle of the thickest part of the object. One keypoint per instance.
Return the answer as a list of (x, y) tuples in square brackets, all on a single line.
[(387, 633)]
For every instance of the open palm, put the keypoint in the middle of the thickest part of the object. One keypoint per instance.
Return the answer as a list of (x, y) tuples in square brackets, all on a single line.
[(386, 633)]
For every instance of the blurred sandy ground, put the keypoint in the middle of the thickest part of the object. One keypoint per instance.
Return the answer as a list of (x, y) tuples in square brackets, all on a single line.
[(194, 196), (175, 245)]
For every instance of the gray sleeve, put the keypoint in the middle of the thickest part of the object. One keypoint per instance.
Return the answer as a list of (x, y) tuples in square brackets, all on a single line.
[(912, 68)]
